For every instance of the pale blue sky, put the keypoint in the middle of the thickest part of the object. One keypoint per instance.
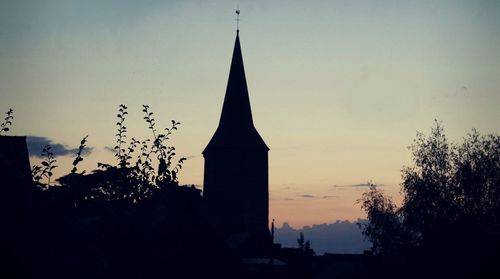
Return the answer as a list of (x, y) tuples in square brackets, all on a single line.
[(338, 88)]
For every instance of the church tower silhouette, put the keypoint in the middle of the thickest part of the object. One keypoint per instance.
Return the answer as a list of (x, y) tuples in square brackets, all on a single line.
[(236, 166)]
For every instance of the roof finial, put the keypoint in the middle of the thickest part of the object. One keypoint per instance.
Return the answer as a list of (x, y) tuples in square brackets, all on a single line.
[(238, 19)]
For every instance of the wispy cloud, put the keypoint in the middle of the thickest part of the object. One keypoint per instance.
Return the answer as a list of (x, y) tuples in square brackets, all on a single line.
[(36, 144), (307, 196), (362, 185), (288, 186), (359, 185)]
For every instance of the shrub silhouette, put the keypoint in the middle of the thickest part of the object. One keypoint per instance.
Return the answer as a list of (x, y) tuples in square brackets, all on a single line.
[(130, 219), (128, 180)]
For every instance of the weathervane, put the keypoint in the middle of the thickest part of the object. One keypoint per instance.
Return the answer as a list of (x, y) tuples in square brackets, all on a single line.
[(238, 19)]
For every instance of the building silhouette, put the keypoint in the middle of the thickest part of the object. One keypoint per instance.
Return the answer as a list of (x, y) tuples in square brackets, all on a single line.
[(15, 169), (236, 168)]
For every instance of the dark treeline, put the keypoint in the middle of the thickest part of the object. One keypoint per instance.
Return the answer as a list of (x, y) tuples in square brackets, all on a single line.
[(449, 223)]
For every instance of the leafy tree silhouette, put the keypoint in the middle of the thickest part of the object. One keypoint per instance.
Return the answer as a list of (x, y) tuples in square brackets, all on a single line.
[(385, 228), (450, 217)]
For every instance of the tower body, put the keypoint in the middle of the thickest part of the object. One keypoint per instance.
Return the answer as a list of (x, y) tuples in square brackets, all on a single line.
[(236, 164)]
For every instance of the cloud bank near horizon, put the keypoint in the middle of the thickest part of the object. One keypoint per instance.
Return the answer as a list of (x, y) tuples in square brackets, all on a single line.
[(342, 237)]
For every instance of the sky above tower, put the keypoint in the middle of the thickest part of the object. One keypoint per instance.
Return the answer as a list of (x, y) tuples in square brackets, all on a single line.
[(338, 88)]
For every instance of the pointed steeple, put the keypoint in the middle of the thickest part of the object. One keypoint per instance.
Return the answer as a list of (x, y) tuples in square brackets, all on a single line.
[(236, 127), (236, 110), (236, 170)]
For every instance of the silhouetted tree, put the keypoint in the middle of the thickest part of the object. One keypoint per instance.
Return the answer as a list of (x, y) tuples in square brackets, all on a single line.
[(451, 209), (385, 228), (301, 241), (304, 245), (451, 183)]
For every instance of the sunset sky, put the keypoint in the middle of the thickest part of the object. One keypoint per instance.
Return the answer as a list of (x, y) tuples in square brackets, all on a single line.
[(338, 88)]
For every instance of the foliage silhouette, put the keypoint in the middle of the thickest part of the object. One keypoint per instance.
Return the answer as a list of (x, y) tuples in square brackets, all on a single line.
[(79, 158), (450, 217), (128, 181), (304, 245), (121, 135), (46, 168), (384, 228), (7, 121), (125, 220)]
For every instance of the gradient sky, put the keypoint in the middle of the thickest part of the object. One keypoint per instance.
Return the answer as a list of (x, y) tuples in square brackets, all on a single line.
[(338, 88)]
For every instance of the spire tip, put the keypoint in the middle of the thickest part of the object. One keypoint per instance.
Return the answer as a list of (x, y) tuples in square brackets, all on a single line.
[(238, 20)]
